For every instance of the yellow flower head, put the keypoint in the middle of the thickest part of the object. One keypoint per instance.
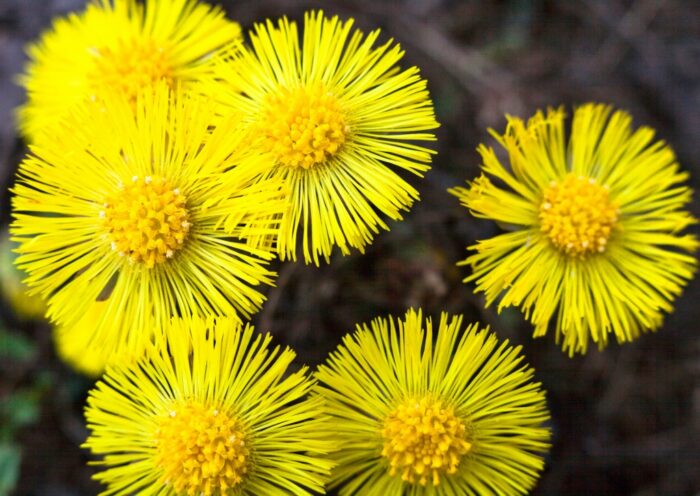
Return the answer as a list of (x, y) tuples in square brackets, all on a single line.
[(14, 291), (338, 120), (211, 409), (443, 414), (74, 345), (596, 223), (116, 207), (119, 46)]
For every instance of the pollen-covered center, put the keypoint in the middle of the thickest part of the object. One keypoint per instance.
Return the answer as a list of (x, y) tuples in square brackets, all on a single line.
[(577, 215), (303, 126), (424, 440), (147, 220), (201, 450), (131, 66)]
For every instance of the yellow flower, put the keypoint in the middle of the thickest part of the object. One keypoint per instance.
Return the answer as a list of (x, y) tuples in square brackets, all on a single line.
[(119, 45), (211, 409), (14, 291), (448, 413), (115, 206), (338, 121), (595, 239), (75, 347)]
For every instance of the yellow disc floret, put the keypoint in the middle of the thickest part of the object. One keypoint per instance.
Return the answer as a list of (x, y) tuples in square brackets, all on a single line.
[(577, 215), (424, 439), (201, 450), (147, 220), (303, 126), (131, 66)]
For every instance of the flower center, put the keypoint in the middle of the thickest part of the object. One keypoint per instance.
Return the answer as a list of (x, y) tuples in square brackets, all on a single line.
[(303, 126), (577, 215), (424, 439), (147, 220), (131, 66), (200, 449)]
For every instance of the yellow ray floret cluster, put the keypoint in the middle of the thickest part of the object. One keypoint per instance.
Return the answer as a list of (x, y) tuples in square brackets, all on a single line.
[(422, 412), (132, 226), (338, 121), (596, 224), (210, 409), (119, 46)]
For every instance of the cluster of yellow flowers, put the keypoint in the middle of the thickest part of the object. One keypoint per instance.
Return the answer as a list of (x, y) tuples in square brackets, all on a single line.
[(170, 162)]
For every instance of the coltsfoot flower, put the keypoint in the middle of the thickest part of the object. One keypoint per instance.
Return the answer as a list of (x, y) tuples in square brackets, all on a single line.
[(445, 413), (210, 409), (120, 213), (14, 291), (338, 120), (119, 46), (596, 224), (74, 347)]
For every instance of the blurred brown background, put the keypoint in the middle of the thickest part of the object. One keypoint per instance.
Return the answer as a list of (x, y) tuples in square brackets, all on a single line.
[(625, 421)]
